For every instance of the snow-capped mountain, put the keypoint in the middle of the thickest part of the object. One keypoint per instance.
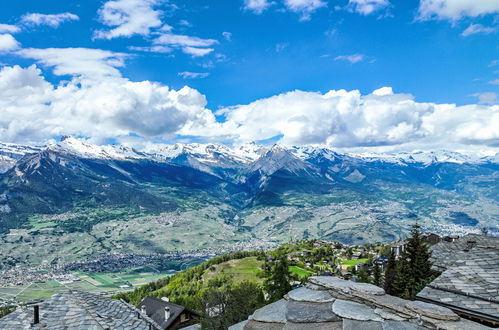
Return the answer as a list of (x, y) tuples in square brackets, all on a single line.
[(11, 153)]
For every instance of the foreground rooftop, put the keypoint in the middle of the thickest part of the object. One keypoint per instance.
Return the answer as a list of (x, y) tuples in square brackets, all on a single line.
[(331, 303)]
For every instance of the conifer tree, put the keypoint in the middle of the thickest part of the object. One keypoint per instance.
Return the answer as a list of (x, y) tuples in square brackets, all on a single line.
[(414, 267), (390, 273), (278, 277), (376, 275)]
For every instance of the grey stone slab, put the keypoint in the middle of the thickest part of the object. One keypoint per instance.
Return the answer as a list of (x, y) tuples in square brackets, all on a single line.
[(344, 286), (314, 326), (431, 310), (308, 312), (256, 325), (238, 326), (386, 315), (355, 311), (361, 325), (305, 294), (395, 325), (275, 312)]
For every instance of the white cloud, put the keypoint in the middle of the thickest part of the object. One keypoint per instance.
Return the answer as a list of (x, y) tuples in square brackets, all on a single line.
[(197, 52), (34, 110), (52, 20), (354, 58), (477, 28), (152, 49), (9, 28), (486, 97), (347, 119), (304, 7), (128, 17), (456, 9), (367, 7), (183, 40), (8, 43), (86, 62), (257, 6), (494, 82), (193, 75), (227, 36)]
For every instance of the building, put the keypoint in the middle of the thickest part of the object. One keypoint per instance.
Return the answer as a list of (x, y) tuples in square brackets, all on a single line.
[(330, 303), (430, 238), (74, 309), (398, 249), (168, 315), (469, 283)]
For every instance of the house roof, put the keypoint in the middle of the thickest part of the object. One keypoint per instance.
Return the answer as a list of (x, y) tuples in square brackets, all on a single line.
[(470, 278), (155, 309), (74, 309)]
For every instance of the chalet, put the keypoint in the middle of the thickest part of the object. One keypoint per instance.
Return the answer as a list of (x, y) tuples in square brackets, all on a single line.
[(168, 315)]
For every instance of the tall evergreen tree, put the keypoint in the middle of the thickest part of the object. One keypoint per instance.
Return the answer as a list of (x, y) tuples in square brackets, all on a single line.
[(414, 267), (278, 277), (376, 275), (390, 273)]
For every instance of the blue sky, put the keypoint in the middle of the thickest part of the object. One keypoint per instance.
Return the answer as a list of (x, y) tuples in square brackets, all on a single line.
[(238, 52)]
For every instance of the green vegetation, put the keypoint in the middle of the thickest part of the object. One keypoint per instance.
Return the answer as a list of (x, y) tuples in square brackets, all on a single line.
[(352, 262), (246, 269), (300, 272), (277, 275)]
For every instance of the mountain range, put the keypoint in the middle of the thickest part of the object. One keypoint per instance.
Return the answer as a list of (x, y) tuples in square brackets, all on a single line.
[(98, 199)]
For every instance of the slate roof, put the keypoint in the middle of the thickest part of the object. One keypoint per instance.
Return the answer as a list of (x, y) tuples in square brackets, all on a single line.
[(331, 303), (155, 309), (77, 310), (470, 278)]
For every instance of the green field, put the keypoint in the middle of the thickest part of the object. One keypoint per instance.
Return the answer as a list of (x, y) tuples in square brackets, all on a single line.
[(104, 283), (354, 262), (300, 272), (246, 269)]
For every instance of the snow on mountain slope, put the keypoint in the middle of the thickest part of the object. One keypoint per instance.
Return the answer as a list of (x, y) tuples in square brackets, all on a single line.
[(11, 153), (86, 150), (429, 157)]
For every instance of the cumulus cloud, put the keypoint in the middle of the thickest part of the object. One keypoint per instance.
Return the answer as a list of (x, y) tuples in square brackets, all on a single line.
[(86, 62), (128, 17), (257, 6), (197, 52), (9, 28), (34, 110), (304, 7), (193, 75), (52, 20), (354, 58), (367, 7), (347, 119), (476, 29), (456, 9), (8, 43)]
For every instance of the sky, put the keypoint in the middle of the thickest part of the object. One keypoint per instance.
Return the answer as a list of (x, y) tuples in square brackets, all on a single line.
[(347, 74)]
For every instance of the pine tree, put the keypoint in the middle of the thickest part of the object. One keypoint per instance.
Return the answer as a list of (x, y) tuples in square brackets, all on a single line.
[(278, 277), (390, 273), (413, 268), (376, 275)]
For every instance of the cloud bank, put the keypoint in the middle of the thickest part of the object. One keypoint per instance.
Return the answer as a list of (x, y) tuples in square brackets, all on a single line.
[(34, 110)]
